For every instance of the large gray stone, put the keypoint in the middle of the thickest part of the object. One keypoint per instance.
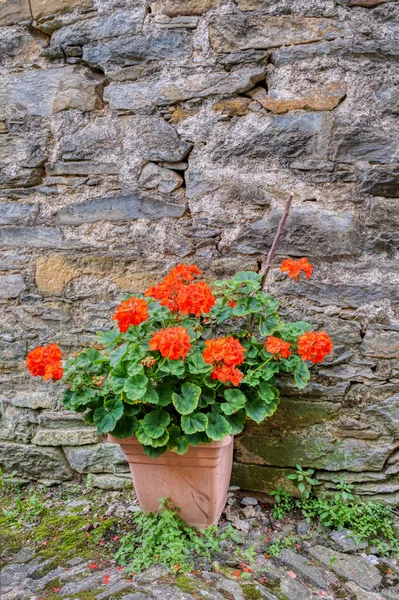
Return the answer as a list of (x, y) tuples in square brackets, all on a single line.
[(100, 28), (11, 286), (164, 45), (16, 424), (32, 462), (260, 136), (380, 181), (293, 590), (174, 87), (381, 344), (30, 237), (354, 568), (304, 567), (261, 31), (311, 232), (23, 152), (16, 11), (363, 142), (96, 458), (387, 412), (118, 208), (63, 437), (164, 180), (16, 213), (153, 139)]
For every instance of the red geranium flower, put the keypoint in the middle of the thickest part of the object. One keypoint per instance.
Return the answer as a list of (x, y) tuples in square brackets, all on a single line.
[(45, 362), (131, 312), (314, 346), (171, 285), (195, 298), (277, 346), (225, 354), (172, 342), (293, 268)]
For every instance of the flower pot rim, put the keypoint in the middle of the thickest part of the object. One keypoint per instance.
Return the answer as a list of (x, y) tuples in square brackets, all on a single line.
[(133, 440)]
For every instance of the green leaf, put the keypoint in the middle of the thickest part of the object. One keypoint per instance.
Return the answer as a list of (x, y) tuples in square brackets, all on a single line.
[(254, 305), (207, 397), (235, 400), (291, 331), (301, 375), (188, 401), (135, 387), (177, 442), (218, 427), (150, 396), (105, 417), (154, 423), (256, 409), (125, 427), (194, 422), (109, 338), (237, 421), (161, 441), (135, 369), (197, 438), (269, 325), (266, 392), (182, 446), (154, 452), (118, 354), (173, 367), (82, 398), (197, 365), (241, 309), (247, 277), (129, 410), (222, 314), (143, 437), (164, 392)]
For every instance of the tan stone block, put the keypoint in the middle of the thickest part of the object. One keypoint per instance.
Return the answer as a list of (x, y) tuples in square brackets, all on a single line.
[(42, 8), (317, 99), (53, 273), (235, 107), (15, 11), (176, 8)]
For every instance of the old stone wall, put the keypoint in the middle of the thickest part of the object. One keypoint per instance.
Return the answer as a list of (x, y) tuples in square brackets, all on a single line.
[(136, 134)]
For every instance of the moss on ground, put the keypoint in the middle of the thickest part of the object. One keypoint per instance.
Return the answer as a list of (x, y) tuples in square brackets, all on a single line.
[(251, 592)]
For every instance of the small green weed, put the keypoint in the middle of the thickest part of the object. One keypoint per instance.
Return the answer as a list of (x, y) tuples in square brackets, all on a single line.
[(370, 521), (165, 539), (276, 546)]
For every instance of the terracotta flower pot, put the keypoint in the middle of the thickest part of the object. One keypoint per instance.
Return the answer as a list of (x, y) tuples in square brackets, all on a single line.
[(196, 482)]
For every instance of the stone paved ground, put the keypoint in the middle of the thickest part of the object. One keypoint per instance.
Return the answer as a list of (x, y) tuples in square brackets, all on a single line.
[(60, 545)]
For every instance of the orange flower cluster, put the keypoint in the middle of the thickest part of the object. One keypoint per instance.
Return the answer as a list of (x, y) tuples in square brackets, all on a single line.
[(172, 342), (314, 346), (278, 347), (225, 354), (45, 362), (179, 294), (294, 267), (131, 312), (195, 299)]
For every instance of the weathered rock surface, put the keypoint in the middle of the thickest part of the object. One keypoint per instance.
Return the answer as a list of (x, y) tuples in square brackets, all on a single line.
[(32, 462), (354, 568)]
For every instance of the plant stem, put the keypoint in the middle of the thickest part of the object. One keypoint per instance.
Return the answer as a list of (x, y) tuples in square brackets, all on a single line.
[(263, 364), (276, 241)]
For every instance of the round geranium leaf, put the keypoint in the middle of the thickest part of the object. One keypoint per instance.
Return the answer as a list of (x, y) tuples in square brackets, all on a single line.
[(187, 402), (160, 441), (104, 421), (194, 422), (154, 423), (125, 427), (235, 398), (207, 397), (256, 409), (197, 438), (135, 387), (151, 397), (218, 427), (154, 452), (237, 421), (266, 392), (143, 437), (181, 446)]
